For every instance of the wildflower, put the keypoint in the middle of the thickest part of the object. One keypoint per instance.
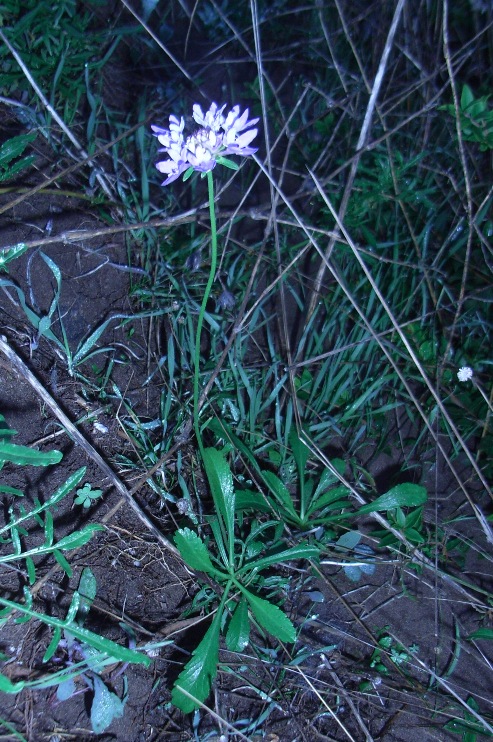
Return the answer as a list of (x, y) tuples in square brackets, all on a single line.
[(217, 136), (465, 373)]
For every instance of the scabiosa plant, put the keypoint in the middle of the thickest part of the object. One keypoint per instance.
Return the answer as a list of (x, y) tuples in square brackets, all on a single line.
[(218, 135)]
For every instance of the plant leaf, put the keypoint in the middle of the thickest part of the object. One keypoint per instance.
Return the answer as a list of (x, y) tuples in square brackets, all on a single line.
[(193, 550), (221, 483), (402, 495), (200, 671), (280, 492), (6, 685), (25, 456), (483, 633), (7, 254), (87, 590), (65, 690), (106, 706), (238, 634), (78, 538), (270, 617)]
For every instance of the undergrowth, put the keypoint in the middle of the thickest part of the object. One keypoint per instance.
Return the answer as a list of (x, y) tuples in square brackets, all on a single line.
[(314, 334)]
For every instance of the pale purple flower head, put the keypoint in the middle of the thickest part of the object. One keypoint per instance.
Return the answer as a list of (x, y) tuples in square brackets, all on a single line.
[(465, 373), (217, 136)]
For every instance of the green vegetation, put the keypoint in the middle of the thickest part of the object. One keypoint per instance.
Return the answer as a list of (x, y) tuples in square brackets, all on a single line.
[(299, 327)]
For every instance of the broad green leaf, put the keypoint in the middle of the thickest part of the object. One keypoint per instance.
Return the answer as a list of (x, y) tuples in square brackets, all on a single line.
[(402, 495), (66, 487), (467, 97), (238, 634), (25, 456), (193, 550), (17, 167), (221, 483), (199, 672), (270, 617), (248, 500), (10, 490), (64, 564), (44, 325), (106, 706)]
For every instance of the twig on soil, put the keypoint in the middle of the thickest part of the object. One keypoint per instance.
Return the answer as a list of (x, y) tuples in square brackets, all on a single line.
[(78, 438)]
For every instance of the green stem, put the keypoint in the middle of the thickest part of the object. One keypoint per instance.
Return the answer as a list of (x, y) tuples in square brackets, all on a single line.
[(200, 320)]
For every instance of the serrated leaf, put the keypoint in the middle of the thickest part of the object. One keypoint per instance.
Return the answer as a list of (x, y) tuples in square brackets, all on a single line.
[(25, 456), (402, 495), (199, 672), (14, 147), (238, 634), (270, 617), (193, 550), (78, 538)]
